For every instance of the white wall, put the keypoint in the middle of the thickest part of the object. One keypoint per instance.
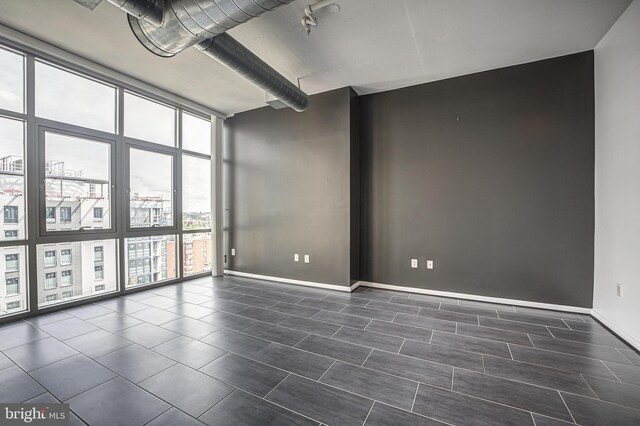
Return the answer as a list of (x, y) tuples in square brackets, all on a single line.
[(617, 186)]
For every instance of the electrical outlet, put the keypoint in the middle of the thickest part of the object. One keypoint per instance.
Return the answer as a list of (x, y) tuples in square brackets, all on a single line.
[(619, 289), (414, 263), (233, 252), (429, 264), (296, 257), (306, 258)]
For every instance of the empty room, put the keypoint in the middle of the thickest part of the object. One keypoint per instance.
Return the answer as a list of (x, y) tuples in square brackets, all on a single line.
[(320, 212)]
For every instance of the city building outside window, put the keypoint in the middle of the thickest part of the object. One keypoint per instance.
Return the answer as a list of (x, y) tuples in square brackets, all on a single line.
[(97, 214), (65, 214), (11, 263), (99, 272), (11, 235), (98, 254), (10, 214), (51, 214), (65, 257), (51, 298), (50, 259), (13, 286), (66, 279), (50, 281), (13, 305)]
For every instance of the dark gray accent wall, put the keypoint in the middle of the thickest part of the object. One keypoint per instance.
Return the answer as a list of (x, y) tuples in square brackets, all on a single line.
[(490, 175), (288, 189)]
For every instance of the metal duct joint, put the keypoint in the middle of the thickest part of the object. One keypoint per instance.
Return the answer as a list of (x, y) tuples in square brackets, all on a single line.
[(149, 10), (229, 52)]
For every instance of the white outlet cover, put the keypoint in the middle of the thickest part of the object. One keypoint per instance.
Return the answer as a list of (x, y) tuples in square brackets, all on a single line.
[(429, 264), (414, 263), (296, 257), (306, 258), (233, 252)]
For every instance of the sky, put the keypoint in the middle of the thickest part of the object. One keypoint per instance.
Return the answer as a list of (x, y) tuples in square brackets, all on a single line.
[(11, 137), (11, 87)]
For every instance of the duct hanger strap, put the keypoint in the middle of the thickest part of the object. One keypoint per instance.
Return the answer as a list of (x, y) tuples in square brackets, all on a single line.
[(229, 52)]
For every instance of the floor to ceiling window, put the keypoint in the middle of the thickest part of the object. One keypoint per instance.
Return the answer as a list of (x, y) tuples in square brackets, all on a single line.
[(102, 189)]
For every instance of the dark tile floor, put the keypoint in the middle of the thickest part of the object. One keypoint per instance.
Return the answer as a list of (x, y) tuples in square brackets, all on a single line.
[(233, 351)]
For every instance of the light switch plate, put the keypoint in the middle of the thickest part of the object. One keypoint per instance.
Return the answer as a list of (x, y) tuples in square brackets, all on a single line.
[(429, 264), (233, 252), (414, 263), (296, 257), (306, 258)]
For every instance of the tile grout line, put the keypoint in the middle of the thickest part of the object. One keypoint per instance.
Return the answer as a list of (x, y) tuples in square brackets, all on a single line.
[(368, 413), (614, 374), (325, 371), (453, 373), (415, 395), (567, 407), (589, 385), (164, 412), (272, 389), (365, 360), (336, 332)]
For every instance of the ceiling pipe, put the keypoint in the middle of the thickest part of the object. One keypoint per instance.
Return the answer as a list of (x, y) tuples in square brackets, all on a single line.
[(234, 55), (188, 22), (203, 23)]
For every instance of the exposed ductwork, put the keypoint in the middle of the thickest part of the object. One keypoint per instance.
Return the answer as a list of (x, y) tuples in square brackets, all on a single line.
[(188, 22), (228, 51), (168, 27)]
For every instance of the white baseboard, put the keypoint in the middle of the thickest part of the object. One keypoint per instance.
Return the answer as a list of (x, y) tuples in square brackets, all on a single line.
[(290, 281), (516, 302), (610, 325)]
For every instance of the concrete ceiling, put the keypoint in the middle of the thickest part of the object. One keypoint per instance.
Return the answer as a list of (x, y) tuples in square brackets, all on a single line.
[(371, 45)]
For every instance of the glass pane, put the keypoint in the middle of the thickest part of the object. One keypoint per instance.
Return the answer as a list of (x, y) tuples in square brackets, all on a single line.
[(13, 280), (66, 271), (150, 259), (11, 81), (196, 134), (77, 183), (196, 193), (151, 189), (69, 98), (12, 223), (196, 253), (149, 121)]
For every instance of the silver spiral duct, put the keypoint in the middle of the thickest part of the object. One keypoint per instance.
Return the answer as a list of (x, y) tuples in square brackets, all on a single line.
[(228, 51), (188, 22)]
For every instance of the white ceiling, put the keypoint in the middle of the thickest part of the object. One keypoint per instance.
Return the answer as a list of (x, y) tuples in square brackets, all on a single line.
[(371, 45)]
